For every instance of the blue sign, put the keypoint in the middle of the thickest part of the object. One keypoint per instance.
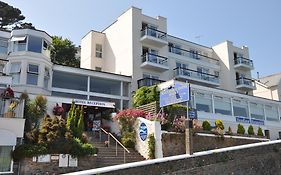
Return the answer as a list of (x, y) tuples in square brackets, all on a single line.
[(192, 113), (250, 121), (177, 94), (143, 131)]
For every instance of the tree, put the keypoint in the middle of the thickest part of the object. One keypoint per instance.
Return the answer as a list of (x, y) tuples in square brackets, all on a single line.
[(24, 25), (75, 120), (145, 95), (9, 15), (80, 124), (64, 52)]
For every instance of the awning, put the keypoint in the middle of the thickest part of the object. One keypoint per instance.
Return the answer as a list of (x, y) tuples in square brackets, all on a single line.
[(95, 103), (18, 38)]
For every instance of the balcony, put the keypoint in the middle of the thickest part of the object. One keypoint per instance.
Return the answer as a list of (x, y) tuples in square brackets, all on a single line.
[(193, 56), (153, 37), (196, 77), (245, 84), (154, 62), (243, 63), (148, 82)]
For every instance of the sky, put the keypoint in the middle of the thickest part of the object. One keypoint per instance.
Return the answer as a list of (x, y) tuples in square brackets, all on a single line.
[(252, 23)]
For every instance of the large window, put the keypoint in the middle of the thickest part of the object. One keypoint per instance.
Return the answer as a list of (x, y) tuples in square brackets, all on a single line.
[(98, 50), (34, 44), (240, 108), (203, 102), (3, 46), (256, 111), (32, 74), (271, 113), (15, 72), (69, 95), (19, 43), (46, 78), (69, 81), (125, 89), (105, 86), (222, 105), (5, 158)]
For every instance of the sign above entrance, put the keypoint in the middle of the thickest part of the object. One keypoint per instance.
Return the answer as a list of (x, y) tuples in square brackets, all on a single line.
[(95, 103), (177, 92)]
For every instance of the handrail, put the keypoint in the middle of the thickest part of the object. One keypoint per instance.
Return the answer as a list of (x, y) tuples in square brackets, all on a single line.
[(116, 141)]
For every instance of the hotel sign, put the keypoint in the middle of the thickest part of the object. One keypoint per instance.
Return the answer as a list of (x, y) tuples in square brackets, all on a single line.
[(241, 119), (95, 103), (177, 93)]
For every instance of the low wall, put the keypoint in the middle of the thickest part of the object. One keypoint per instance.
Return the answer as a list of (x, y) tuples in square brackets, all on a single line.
[(174, 143), (153, 127), (27, 166)]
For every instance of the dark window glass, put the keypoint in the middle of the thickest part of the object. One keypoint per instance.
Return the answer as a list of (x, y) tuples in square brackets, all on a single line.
[(34, 44), (68, 95), (105, 86), (69, 81)]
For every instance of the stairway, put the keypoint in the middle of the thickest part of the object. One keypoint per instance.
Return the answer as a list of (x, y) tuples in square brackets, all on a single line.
[(107, 155)]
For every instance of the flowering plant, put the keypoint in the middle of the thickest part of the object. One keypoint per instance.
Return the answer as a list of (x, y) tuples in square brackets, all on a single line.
[(179, 124), (161, 117), (8, 93), (58, 110), (13, 106)]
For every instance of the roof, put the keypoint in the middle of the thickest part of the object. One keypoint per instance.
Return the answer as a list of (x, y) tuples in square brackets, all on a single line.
[(271, 80)]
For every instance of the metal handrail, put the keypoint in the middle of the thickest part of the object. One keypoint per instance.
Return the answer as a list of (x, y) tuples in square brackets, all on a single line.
[(116, 141)]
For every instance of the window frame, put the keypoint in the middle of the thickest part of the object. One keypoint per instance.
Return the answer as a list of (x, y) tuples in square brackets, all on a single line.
[(99, 52)]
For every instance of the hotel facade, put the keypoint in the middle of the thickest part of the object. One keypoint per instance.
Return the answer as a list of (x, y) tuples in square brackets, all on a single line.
[(132, 52)]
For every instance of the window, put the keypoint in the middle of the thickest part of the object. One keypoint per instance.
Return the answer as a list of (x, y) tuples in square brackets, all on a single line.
[(217, 73), (182, 69), (98, 68), (105, 86), (3, 46), (271, 113), (5, 158), (32, 74), (240, 108), (203, 102), (202, 73), (15, 72), (34, 44), (46, 78), (194, 54), (2, 67), (150, 80), (68, 95), (125, 89), (222, 105), (45, 45), (69, 81), (256, 111), (125, 104), (98, 50)]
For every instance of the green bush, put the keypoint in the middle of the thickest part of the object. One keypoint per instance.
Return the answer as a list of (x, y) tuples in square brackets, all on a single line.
[(151, 146), (240, 129), (251, 130), (129, 139), (260, 133), (219, 124), (145, 95), (78, 148), (206, 125), (28, 150)]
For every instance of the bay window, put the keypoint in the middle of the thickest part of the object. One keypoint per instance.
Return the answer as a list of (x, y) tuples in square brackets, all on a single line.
[(32, 74)]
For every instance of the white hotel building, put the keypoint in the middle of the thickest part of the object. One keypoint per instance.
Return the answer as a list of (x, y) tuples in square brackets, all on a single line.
[(222, 87), (133, 51)]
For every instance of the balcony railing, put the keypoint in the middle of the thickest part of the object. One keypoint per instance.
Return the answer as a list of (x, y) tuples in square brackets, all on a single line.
[(11, 108), (148, 82), (196, 75), (154, 33), (157, 59), (246, 82), (243, 61), (192, 55)]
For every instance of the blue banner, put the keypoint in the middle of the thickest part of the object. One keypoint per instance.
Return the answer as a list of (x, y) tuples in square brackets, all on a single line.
[(173, 95), (241, 119)]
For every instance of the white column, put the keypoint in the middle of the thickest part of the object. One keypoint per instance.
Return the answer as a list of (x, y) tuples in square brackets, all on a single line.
[(213, 104), (121, 93), (249, 110), (231, 104), (264, 112), (88, 87)]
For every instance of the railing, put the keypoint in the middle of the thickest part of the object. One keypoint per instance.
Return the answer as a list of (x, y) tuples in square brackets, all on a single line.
[(148, 82), (245, 81), (116, 143), (154, 33), (149, 57), (241, 60), (196, 74), (192, 55)]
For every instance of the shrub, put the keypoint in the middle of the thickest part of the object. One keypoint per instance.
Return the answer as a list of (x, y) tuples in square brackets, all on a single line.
[(240, 129), (219, 124), (179, 124), (129, 139), (81, 149), (251, 130), (206, 125), (260, 133), (145, 95), (28, 150), (151, 146)]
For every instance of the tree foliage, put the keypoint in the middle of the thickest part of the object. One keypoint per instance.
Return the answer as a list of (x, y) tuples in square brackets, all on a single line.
[(145, 95), (75, 120), (64, 52), (9, 15)]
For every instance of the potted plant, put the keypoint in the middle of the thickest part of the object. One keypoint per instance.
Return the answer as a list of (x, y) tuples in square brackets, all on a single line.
[(11, 109), (58, 110), (8, 93)]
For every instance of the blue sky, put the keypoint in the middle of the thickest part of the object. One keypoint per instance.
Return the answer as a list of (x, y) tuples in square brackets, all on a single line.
[(254, 23)]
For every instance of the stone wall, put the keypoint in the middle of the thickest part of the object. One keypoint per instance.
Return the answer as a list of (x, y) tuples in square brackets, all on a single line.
[(174, 143), (258, 160), (31, 168)]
